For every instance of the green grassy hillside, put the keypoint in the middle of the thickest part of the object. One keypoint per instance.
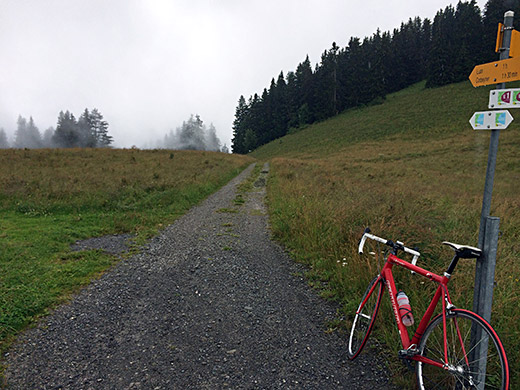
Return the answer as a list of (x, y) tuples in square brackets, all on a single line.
[(51, 198), (412, 169)]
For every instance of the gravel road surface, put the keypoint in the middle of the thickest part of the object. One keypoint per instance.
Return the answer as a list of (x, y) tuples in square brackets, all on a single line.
[(210, 303)]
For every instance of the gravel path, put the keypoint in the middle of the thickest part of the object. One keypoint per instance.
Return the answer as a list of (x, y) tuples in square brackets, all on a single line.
[(211, 303)]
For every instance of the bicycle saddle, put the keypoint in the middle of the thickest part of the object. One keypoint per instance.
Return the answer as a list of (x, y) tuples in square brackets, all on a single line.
[(464, 251)]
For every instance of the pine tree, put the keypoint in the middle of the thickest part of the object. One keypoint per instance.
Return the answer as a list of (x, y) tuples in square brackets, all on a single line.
[(100, 129), (292, 98), (468, 31), (264, 112), (34, 138), (237, 143), (4, 144), (426, 47), (374, 80), (20, 133), (47, 138), (27, 134), (250, 141), (212, 142), (305, 90), (350, 74), (66, 134), (191, 134), (444, 46), (171, 141), (326, 86), (87, 130), (280, 113)]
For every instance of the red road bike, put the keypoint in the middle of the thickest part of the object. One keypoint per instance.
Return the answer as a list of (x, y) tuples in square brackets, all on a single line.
[(457, 349)]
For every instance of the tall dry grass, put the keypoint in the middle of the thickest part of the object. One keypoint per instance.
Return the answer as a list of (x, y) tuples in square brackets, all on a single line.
[(420, 187)]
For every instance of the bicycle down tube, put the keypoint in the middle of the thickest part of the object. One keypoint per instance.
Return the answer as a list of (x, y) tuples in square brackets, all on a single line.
[(388, 278)]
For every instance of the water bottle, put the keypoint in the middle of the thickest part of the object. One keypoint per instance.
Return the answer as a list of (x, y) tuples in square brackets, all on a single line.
[(405, 310)]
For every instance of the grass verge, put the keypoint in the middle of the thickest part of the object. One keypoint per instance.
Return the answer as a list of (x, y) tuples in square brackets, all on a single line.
[(51, 198), (411, 169)]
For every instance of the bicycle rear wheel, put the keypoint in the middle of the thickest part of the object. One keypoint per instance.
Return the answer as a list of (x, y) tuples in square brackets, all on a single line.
[(465, 370), (365, 317)]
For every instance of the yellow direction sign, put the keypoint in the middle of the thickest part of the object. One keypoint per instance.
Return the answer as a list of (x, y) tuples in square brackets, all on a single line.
[(514, 46), (496, 72)]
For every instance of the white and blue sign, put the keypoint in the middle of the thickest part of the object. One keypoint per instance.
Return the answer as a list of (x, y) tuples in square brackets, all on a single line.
[(491, 120)]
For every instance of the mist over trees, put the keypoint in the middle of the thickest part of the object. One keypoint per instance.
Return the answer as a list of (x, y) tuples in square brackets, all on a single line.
[(4, 144), (89, 131), (193, 135), (27, 134), (365, 71)]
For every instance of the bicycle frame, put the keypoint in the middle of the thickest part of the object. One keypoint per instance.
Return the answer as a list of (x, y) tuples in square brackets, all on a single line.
[(442, 291)]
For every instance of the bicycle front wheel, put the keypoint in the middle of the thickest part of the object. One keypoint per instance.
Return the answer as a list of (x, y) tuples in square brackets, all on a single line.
[(364, 318), (481, 364)]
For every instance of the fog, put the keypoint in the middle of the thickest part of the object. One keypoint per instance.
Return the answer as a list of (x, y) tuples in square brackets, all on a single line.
[(193, 135), (150, 65)]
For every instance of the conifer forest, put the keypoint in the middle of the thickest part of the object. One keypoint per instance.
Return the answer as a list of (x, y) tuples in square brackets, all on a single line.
[(441, 51)]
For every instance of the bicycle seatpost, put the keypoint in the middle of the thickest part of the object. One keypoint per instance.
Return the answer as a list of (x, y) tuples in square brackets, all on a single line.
[(452, 265)]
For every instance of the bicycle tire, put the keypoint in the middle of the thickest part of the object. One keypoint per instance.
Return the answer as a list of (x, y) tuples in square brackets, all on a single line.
[(463, 371), (364, 318)]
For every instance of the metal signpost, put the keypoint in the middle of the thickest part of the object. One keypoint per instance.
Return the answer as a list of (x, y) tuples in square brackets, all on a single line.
[(507, 69)]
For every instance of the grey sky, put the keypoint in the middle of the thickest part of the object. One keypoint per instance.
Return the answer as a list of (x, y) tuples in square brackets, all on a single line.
[(148, 65)]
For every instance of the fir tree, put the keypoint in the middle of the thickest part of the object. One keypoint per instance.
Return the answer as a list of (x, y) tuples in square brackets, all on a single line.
[(212, 142), (4, 144), (66, 134), (100, 129), (87, 130), (444, 46), (237, 143), (27, 134), (305, 90), (47, 138)]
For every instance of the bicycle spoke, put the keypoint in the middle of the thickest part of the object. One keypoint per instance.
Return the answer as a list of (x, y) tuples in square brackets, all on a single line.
[(435, 385)]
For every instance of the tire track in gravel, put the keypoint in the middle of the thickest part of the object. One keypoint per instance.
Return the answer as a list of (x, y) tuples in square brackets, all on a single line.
[(210, 303)]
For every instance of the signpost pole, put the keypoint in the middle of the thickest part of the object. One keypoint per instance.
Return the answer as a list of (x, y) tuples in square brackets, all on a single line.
[(490, 173), (493, 143), (489, 229)]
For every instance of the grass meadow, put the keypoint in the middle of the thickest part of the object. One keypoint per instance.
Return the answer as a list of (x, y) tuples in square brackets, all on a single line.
[(51, 198), (413, 170)]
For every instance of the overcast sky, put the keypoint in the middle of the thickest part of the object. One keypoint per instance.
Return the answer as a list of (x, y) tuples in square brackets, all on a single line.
[(147, 65)]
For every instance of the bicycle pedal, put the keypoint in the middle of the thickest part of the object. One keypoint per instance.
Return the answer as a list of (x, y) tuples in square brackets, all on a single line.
[(407, 353)]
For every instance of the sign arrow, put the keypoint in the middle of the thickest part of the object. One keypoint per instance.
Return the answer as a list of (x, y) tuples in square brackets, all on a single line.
[(496, 72), (490, 120)]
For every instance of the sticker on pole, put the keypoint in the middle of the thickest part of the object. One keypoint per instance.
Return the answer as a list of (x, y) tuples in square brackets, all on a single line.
[(490, 120), (504, 98)]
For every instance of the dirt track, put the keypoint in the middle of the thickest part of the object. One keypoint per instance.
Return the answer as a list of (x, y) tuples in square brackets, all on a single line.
[(210, 303)]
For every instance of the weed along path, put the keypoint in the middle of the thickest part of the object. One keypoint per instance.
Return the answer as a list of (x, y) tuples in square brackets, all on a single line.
[(210, 303)]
